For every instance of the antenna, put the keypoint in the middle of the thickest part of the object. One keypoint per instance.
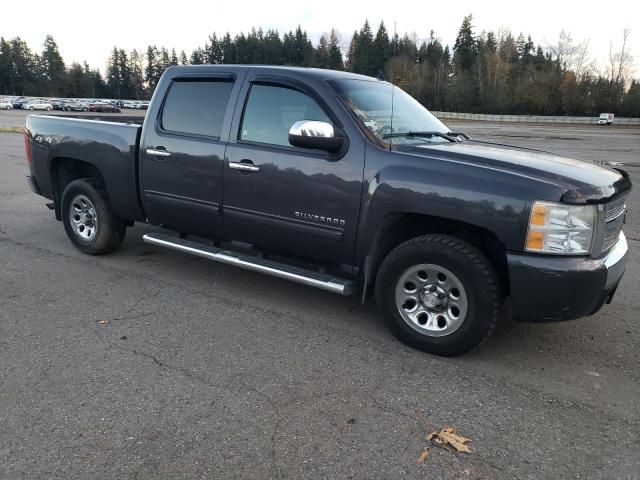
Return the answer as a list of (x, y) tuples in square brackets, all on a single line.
[(395, 35)]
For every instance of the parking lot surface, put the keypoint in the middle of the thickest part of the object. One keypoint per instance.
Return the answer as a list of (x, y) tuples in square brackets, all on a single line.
[(151, 364)]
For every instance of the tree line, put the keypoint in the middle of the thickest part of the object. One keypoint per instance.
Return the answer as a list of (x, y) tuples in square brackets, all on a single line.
[(486, 72)]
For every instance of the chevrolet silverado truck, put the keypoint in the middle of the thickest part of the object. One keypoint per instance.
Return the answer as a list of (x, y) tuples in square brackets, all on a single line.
[(345, 183)]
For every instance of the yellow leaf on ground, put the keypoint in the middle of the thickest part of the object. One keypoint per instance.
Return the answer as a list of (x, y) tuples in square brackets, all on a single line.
[(449, 436), (423, 456)]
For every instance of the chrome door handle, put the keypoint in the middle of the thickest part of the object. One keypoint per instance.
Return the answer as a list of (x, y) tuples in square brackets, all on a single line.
[(243, 166), (158, 153)]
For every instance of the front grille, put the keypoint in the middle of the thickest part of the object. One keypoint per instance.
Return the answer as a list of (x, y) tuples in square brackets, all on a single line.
[(611, 212), (609, 241)]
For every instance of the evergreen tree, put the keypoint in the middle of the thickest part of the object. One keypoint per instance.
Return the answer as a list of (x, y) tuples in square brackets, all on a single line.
[(213, 50), (322, 53), (465, 48), (174, 58), (53, 67), (381, 52), (153, 69), (335, 54), (360, 60)]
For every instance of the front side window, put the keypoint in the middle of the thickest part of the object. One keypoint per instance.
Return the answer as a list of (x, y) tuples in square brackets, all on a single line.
[(196, 107), (271, 110), (371, 102)]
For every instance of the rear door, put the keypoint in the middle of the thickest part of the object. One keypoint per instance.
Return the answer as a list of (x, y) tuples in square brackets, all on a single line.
[(182, 154)]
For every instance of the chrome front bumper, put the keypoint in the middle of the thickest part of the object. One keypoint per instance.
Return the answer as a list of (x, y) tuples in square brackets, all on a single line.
[(615, 260)]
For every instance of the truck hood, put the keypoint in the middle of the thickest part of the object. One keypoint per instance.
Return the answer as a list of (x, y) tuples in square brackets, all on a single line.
[(585, 182)]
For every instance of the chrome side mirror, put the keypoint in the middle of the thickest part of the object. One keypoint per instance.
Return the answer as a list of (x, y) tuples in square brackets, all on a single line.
[(315, 134)]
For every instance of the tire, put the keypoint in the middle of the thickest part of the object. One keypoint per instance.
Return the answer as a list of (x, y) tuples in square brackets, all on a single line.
[(30, 108), (48, 109), (104, 231), (416, 265), (8, 107), (85, 109)]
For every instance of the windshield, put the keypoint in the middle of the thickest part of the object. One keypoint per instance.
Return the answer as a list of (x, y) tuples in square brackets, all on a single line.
[(370, 101)]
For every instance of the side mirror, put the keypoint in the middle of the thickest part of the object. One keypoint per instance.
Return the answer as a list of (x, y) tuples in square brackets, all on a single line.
[(315, 134)]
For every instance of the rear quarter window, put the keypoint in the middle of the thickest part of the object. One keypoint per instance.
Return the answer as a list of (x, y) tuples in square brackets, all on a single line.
[(196, 107)]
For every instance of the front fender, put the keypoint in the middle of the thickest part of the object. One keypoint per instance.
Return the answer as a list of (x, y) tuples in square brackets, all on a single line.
[(494, 200)]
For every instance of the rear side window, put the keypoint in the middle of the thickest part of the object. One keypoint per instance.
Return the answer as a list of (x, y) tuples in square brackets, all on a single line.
[(196, 107), (271, 110)]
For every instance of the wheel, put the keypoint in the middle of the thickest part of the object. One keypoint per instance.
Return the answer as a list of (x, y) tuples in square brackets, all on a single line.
[(30, 108), (8, 107), (85, 109), (439, 294), (48, 108), (88, 218)]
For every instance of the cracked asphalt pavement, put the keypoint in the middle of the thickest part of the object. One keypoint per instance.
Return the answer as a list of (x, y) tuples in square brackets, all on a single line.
[(152, 364)]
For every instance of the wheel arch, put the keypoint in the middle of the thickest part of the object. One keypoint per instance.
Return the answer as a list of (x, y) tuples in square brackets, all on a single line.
[(65, 170), (398, 228)]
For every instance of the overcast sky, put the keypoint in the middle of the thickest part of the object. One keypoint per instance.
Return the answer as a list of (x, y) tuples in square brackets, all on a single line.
[(88, 30)]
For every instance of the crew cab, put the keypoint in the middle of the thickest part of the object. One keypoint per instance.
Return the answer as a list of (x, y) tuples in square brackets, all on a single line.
[(344, 183)]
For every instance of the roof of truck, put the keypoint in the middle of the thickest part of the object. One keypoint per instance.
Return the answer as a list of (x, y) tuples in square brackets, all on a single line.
[(301, 72)]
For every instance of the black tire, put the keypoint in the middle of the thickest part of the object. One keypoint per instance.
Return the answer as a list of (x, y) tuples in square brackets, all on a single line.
[(474, 271), (110, 229), (85, 109)]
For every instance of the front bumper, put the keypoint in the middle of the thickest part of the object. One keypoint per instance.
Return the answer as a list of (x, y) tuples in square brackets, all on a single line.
[(546, 289)]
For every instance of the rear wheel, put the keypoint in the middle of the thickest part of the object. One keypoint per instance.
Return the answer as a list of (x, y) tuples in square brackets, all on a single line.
[(88, 218), (439, 294)]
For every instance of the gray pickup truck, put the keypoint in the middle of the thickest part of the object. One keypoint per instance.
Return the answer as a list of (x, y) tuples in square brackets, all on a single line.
[(344, 183)]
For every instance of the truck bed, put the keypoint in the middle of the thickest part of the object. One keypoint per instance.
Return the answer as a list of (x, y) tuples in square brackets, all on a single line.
[(110, 144)]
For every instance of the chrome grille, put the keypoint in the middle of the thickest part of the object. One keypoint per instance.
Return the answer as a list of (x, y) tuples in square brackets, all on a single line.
[(612, 212), (609, 240)]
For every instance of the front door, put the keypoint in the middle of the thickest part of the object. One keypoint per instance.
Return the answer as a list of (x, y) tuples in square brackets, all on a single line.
[(182, 156), (288, 199)]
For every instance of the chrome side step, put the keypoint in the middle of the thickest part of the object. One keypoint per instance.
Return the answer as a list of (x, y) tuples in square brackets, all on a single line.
[(275, 269)]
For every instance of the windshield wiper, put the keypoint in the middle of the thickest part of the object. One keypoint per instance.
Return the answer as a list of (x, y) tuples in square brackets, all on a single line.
[(446, 136), (459, 134)]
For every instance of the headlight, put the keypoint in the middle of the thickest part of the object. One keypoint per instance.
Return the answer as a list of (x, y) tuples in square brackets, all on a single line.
[(560, 229)]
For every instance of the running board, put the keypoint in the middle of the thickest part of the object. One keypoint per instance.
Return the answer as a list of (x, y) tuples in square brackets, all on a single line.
[(249, 262)]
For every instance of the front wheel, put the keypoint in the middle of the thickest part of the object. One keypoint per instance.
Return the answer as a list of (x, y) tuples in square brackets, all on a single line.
[(88, 218), (439, 294)]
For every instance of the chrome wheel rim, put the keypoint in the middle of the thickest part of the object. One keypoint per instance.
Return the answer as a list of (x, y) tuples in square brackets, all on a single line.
[(431, 300), (83, 218)]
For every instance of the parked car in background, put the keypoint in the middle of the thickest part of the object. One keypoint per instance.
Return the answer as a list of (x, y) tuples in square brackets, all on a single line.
[(58, 103), (103, 107), (605, 119), (129, 104), (5, 105), (76, 106), (38, 105), (144, 106), (18, 102)]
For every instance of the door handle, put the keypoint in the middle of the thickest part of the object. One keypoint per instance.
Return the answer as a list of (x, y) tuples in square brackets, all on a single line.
[(244, 166), (158, 152)]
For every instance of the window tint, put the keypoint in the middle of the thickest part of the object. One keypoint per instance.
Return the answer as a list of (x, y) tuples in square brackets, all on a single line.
[(196, 107), (271, 111)]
